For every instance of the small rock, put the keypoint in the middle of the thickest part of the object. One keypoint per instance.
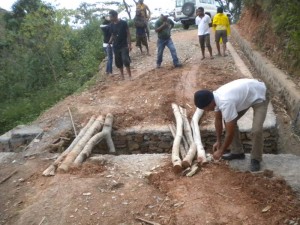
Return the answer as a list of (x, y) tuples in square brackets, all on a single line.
[(266, 209), (87, 194), (178, 204), (72, 216), (109, 176)]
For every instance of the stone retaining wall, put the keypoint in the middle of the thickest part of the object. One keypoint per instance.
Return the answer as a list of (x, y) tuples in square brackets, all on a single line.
[(15, 139), (159, 140)]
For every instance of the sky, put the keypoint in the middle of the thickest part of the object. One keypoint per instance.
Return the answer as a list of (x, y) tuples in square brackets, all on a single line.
[(73, 4)]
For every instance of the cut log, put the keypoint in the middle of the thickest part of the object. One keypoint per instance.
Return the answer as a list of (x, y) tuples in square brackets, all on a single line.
[(201, 158), (104, 134), (188, 159), (177, 140), (182, 149), (95, 128), (50, 171), (186, 127), (194, 169)]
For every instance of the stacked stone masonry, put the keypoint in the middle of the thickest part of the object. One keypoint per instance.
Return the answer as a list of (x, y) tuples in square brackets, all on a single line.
[(160, 140)]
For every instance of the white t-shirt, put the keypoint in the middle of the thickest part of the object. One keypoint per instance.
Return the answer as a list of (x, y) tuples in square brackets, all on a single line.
[(237, 96), (203, 24)]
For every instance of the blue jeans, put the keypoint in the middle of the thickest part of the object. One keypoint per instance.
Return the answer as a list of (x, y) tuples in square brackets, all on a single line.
[(161, 44), (109, 53)]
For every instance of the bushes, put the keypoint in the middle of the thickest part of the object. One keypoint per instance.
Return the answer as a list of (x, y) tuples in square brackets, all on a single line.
[(285, 22), (41, 65)]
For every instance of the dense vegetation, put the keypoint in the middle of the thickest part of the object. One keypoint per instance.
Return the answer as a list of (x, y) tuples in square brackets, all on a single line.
[(43, 59), (284, 18)]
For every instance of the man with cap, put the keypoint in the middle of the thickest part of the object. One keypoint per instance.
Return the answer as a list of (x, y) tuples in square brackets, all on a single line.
[(163, 27), (230, 102)]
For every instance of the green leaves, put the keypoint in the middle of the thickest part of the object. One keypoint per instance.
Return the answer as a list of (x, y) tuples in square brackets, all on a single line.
[(42, 60)]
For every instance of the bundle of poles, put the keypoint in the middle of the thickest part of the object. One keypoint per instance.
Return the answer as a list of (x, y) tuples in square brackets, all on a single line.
[(81, 148), (188, 153)]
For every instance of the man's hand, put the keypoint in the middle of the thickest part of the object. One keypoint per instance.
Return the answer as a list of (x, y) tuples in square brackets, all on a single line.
[(216, 146), (217, 154), (129, 47)]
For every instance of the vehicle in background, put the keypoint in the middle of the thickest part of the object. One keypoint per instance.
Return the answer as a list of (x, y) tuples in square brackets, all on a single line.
[(185, 10)]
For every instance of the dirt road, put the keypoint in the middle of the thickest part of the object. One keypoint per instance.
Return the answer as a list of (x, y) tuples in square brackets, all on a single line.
[(121, 189)]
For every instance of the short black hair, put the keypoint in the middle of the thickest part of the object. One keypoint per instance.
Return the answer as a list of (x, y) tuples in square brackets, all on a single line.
[(203, 98), (113, 13), (201, 9), (220, 10)]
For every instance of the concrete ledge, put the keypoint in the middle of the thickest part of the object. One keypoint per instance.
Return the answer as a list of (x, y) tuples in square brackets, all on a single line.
[(275, 78)]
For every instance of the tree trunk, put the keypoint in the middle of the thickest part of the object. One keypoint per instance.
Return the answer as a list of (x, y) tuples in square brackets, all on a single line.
[(186, 127), (188, 159), (50, 171), (175, 149), (105, 133), (182, 150), (127, 9), (201, 158), (95, 128)]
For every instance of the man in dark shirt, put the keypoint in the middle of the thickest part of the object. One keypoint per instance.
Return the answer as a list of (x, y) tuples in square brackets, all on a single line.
[(163, 28), (121, 41)]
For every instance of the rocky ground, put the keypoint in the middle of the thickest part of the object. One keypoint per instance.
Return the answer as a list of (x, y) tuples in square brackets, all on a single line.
[(122, 189)]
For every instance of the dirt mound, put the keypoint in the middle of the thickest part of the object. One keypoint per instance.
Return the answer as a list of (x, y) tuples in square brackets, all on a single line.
[(218, 195)]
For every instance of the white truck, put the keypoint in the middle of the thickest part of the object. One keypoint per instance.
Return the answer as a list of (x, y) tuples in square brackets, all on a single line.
[(185, 10)]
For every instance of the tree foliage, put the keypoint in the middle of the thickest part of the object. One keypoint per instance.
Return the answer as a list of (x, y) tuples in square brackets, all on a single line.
[(44, 59), (285, 20)]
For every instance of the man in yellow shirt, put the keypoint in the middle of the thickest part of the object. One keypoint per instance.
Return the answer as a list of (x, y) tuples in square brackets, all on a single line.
[(145, 11), (222, 27)]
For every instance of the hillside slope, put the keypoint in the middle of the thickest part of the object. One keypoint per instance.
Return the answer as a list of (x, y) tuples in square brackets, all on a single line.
[(277, 37)]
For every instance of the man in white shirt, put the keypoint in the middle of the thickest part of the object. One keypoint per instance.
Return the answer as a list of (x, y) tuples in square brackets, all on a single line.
[(203, 21), (230, 102)]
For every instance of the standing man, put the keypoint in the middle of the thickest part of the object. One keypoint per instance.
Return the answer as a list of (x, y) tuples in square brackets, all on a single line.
[(105, 27), (222, 27), (145, 12), (141, 29), (203, 21), (163, 27), (230, 102), (121, 41)]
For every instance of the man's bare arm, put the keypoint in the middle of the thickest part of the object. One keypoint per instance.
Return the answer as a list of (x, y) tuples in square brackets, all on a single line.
[(230, 127), (149, 12), (218, 125), (129, 38)]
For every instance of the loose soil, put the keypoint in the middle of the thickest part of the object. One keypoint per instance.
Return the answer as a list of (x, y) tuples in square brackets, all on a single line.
[(118, 189)]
